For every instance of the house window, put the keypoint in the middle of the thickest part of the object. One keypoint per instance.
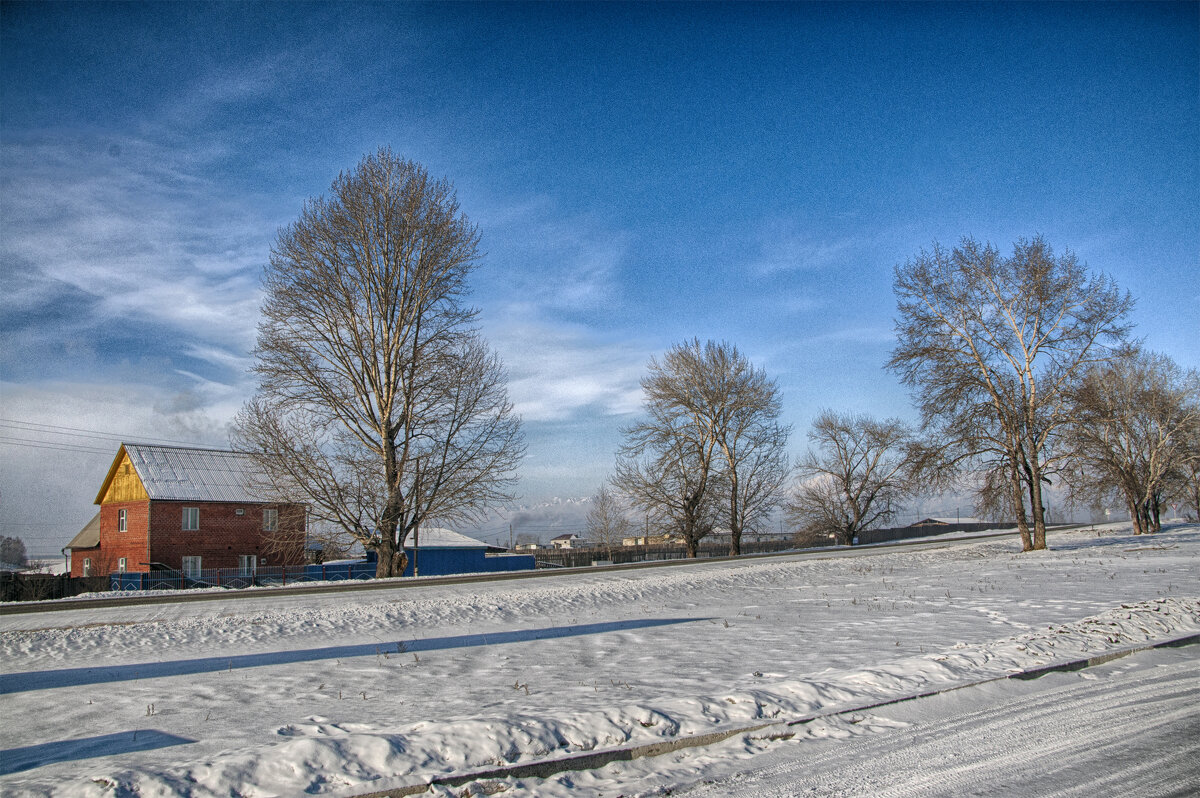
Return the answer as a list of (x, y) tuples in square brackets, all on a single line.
[(121, 563), (87, 566), (121, 520), (246, 564), (270, 520), (191, 567), (191, 519)]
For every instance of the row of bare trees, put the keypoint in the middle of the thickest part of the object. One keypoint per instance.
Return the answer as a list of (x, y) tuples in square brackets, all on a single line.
[(1024, 376), (381, 408)]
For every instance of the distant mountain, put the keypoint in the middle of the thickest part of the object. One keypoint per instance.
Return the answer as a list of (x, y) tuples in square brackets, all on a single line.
[(533, 522)]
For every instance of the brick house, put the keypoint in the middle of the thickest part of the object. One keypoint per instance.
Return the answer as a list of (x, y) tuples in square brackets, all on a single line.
[(185, 509)]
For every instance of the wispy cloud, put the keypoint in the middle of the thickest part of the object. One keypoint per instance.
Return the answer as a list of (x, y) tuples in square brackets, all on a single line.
[(561, 371), (137, 232), (558, 262), (784, 245)]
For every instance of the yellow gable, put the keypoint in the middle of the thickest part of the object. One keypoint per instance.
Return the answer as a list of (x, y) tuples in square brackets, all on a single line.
[(123, 483)]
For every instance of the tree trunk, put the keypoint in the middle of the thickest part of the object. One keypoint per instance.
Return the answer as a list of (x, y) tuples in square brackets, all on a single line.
[(1135, 515), (735, 528), (1038, 510), (1018, 497), (391, 562)]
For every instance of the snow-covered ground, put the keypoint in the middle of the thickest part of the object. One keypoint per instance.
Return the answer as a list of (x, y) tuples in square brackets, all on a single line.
[(351, 693)]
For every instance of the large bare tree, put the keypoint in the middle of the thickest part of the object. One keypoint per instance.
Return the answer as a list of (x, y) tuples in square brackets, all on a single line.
[(991, 346), (1130, 435), (379, 405), (856, 477), (712, 435)]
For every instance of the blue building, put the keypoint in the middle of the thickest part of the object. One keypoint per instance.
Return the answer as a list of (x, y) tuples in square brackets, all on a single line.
[(441, 552)]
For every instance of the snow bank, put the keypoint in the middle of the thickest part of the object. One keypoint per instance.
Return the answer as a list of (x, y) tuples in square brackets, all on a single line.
[(318, 756)]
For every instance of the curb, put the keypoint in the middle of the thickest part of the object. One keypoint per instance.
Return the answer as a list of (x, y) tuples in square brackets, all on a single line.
[(593, 760)]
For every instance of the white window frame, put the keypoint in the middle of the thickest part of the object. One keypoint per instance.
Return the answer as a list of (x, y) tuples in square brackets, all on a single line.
[(247, 564), (121, 565), (122, 520), (270, 520), (190, 566), (192, 515), (87, 566)]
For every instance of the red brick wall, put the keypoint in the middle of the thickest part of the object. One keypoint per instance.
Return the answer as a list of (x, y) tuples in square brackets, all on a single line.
[(130, 544), (223, 535)]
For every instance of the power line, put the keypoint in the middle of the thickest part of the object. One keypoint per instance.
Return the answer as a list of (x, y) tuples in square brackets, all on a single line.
[(52, 446), (83, 432)]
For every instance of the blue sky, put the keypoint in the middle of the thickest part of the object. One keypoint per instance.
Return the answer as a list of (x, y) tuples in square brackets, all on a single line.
[(640, 174)]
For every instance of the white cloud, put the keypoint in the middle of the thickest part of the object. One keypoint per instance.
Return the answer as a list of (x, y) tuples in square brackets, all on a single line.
[(560, 263), (782, 246), (559, 371), (149, 241)]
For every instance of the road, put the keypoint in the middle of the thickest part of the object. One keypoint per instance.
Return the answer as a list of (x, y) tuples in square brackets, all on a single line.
[(1129, 727)]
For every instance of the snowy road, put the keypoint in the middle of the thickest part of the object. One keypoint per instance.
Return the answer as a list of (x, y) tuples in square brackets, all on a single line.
[(1130, 728)]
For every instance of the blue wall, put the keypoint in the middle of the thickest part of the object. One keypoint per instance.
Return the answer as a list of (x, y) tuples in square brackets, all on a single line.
[(444, 562)]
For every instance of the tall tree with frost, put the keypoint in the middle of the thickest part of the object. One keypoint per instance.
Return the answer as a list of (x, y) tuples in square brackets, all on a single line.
[(379, 405), (992, 345)]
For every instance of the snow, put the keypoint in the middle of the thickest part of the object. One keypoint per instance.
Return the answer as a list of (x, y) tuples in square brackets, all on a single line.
[(349, 693)]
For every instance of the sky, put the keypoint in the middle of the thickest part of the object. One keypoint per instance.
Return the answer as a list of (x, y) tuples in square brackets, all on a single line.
[(641, 174)]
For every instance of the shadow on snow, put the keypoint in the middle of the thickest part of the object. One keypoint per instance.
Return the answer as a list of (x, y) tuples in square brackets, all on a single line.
[(74, 677), (15, 760)]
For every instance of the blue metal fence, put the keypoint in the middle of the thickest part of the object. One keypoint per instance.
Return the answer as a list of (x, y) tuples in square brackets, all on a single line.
[(431, 562), (237, 577)]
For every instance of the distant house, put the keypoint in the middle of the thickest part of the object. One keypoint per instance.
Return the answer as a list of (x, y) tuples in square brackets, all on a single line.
[(665, 539), (567, 541), (185, 509)]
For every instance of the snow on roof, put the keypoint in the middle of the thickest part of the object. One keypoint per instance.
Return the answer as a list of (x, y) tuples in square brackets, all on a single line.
[(568, 536), (210, 475), (88, 537), (440, 538)]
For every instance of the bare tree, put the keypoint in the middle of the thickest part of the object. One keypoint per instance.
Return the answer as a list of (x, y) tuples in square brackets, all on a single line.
[(859, 473), (992, 345), (1185, 477), (712, 435), (379, 405), (606, 521), (666, 469), (759, 474), (1130, 434)]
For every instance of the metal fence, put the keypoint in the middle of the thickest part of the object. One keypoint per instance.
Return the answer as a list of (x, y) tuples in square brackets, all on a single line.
[(238, 578), (579, 558), (39, 587)]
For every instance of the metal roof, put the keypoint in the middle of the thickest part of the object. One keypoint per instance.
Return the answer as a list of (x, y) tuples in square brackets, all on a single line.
[(176, 473), (441, 538), (88, 537)]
